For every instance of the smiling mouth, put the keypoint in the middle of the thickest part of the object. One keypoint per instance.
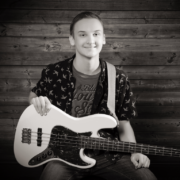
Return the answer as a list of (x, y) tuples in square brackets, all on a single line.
[(90, 47)]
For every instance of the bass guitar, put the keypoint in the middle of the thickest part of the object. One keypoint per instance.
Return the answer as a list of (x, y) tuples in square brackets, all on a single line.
[(59, 136)]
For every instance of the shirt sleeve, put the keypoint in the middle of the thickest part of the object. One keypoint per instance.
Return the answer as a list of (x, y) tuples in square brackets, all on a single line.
[(125, 107), (41, 87)]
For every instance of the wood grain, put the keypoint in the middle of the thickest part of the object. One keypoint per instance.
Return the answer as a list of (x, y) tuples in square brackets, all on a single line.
[(108, 17), (111, 30), (139, 125), (142, 39), (96, 5), (154, 112), (138, 86), (133, 72), (40, 44), (142, 98), (116, 58), (144, 112)]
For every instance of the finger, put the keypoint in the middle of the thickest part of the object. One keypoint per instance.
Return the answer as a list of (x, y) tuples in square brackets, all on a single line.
[(140, 162), (42, 103), (33, 101), (47, 105), (38, 105), (146, 162), (134, 161)]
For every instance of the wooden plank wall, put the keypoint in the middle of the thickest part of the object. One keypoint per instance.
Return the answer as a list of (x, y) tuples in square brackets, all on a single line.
[(143, 38)]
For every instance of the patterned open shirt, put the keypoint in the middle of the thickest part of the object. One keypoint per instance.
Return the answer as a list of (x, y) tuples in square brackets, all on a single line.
[(57, 84)]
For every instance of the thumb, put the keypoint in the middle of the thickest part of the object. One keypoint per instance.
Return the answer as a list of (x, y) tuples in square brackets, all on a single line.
[(48, 104), (134, 161)]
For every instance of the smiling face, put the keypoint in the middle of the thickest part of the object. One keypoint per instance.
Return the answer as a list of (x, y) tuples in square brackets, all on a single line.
[(88, 37)]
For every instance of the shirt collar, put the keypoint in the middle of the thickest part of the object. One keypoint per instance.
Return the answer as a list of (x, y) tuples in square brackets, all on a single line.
[(69, 66)]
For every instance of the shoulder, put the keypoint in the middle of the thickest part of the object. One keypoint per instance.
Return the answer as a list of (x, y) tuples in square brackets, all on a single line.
[(57, 66), (120, 74)]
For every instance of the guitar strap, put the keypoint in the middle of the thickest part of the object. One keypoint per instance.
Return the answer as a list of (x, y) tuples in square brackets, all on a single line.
[(111, 90)]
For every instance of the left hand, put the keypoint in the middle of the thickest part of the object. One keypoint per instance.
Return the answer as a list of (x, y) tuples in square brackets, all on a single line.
[(140, 160)]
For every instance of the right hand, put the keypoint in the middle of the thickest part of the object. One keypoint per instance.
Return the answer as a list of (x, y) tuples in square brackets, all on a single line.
[(41, 104)]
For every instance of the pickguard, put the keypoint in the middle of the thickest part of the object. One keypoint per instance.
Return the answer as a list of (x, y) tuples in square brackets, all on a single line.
[(61, 147)]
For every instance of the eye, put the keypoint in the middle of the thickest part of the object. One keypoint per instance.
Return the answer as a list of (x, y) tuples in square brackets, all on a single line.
[(96, 34), (82, 35)]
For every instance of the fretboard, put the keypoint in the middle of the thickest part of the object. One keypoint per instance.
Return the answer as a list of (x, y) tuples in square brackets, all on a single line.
[(120, 146)]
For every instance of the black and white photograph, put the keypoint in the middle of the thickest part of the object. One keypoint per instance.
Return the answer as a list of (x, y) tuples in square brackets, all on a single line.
[(90, 89)]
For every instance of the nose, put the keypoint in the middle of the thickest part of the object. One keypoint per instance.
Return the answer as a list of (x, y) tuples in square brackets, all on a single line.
[(91, 39)]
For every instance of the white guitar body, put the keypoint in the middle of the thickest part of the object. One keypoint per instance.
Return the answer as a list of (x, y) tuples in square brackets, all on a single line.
[(30, 119)]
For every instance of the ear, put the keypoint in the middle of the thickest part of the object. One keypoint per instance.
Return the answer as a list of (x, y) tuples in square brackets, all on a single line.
[(104, 39), (71, 40)]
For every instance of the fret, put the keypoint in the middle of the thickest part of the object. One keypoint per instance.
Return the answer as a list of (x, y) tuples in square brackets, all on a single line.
[(102, 144), (105, 144), (115, 145), (112, 145), (88, 142), (99, 143), (132, 147), (141, 147), (81, 140), (126, 146), (145, 149), (159, 151), (108, 144), (91, 143), (155, 150), (175, 153), (85, 143)]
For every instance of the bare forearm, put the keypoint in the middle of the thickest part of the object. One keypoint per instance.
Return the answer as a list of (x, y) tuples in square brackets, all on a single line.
[(126, 132)]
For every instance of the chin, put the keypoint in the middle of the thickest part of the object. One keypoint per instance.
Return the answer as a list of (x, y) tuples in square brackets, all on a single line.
[(91, 54)]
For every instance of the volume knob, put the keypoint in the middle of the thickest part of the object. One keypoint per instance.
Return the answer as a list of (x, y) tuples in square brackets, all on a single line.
[(44, 156), (49, 153), (38, 158)]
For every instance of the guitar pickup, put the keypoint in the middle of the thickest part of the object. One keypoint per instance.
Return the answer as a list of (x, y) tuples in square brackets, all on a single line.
[(39, 136)]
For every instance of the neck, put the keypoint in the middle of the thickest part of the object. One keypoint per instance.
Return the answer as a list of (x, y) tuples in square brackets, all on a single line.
[(89, 66), (129, 147)]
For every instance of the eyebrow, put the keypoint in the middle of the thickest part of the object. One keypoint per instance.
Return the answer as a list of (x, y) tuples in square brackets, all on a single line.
[(85, 31)]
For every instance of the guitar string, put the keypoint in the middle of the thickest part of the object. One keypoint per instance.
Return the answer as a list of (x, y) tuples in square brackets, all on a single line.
[(136, 144), (151, 152), (119, 144), (110, 141), (159, 154)]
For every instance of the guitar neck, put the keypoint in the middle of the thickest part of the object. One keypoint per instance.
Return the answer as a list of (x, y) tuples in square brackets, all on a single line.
[(129, 147)]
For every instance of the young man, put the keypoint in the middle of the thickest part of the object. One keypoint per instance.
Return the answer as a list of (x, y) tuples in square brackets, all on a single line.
[(79, 87)]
